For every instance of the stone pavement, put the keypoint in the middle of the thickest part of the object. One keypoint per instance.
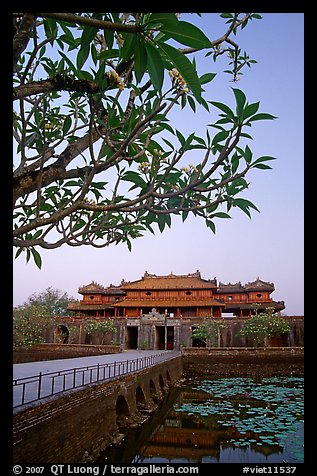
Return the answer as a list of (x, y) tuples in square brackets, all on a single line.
[(63, 377)]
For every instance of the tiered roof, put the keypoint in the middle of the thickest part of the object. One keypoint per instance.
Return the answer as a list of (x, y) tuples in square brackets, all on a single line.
[(176, 282), (257, 285), (95, 288)]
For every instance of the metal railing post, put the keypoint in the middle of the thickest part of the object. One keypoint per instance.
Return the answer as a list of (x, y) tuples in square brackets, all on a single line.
[(39, 387), (23, 393)]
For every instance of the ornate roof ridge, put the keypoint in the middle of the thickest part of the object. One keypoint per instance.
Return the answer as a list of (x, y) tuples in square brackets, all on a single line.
[(259, 284), (91, 287), (196, 274), (238, 283), (172, 275)]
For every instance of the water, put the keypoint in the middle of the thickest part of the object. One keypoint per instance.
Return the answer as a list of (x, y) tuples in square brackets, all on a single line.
[(222, 420)]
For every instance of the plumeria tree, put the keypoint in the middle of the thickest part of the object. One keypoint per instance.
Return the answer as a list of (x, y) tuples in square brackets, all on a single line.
[(52, 301), (208, 331), (100, 329), (264, 325), (29, 325), (97, 160)]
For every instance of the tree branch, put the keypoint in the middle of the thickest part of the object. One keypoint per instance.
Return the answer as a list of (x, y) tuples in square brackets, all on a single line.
[(100, 24), (22, 36), (57, 83)]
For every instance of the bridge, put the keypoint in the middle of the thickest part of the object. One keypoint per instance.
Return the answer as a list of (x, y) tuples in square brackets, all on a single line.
[(69, 410)]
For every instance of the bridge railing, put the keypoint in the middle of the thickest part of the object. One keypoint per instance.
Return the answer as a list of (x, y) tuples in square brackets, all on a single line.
[(37, 387)]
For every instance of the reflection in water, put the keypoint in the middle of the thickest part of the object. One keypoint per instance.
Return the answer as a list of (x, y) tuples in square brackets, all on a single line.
[(224, 420)]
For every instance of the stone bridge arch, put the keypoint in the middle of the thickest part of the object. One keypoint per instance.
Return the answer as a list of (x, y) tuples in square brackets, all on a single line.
[(122, 410), (140, 398), (161, 383)]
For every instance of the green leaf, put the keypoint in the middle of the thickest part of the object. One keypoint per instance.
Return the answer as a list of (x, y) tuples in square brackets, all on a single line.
[(210, 224), (128, 46), (71, 183), (82, 56), (191, 102), (37, 258), (155, 66), (248, 154), (140, 60), (261, 116), (187, 34), (235, 162), (87, 36), (79, 224), (261, 166), (250, 109), (107, 54), (184, 215), (183, 100), (244, 205), (220, 137), (180, 137), (70, 64), (206, 78), (240, 100), (67, 124), (37, 234), (108, 34), (221, 215), (161, 220), (185, 68), (18, 252), (162, 19), (168, 143), (223, 107), (264, 158), (135, 178)]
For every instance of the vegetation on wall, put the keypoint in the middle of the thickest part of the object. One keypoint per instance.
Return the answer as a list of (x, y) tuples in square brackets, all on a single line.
[(264, 325), (100, 329), (208, 331)]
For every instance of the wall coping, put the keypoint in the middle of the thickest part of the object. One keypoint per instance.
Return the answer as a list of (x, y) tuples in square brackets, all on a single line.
[(250, 350)]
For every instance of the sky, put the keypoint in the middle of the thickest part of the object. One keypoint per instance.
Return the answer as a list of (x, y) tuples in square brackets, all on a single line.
[(270, 245)]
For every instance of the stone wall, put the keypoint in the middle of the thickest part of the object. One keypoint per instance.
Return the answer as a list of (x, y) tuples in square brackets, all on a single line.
[(182, 329), (41, 352), (254, 362)]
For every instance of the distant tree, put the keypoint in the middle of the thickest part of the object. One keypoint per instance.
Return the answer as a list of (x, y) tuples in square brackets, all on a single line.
[(264, 325), (51, 302), (97, 160), (208, 331)]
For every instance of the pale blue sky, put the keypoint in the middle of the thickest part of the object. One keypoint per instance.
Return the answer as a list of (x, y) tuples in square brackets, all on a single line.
[(270, 245)]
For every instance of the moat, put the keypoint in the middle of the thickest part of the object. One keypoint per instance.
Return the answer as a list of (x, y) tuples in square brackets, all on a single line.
[(220, 420)]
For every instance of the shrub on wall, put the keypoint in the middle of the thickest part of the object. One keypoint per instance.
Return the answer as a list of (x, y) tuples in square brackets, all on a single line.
[(264, 325)]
